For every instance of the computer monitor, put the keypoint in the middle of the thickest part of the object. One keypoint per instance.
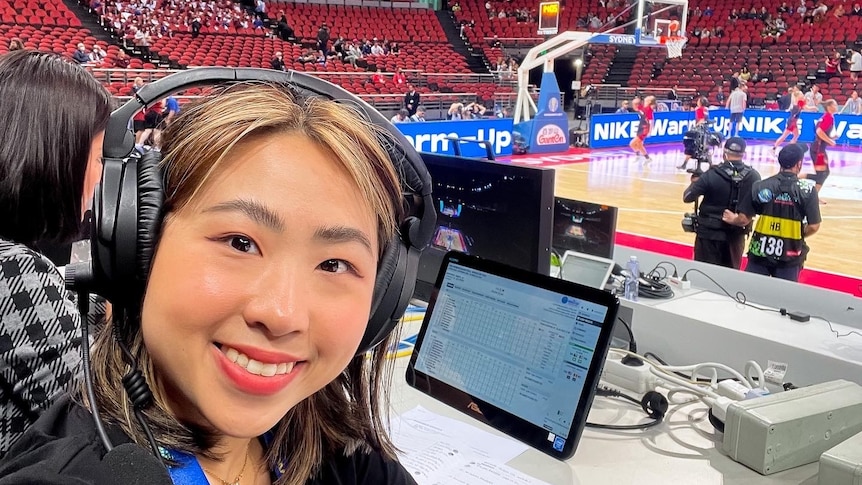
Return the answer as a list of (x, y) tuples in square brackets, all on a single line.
[(586, 269), (496, 211), (584, 227)]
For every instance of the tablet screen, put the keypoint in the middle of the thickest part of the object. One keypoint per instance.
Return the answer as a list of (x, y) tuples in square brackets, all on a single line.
[(524, 348)]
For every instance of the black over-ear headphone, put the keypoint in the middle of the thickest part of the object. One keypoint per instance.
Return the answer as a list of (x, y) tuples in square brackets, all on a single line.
[(127, 209)]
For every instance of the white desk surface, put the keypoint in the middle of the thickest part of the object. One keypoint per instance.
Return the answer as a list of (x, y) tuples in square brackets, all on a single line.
[(683, 450)]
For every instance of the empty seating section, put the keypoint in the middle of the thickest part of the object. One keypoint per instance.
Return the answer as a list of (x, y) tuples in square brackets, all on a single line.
[(37, 13), (395, 24), (596, 67)]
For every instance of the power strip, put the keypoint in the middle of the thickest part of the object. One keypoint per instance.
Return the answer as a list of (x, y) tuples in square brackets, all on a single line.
[(792, 428), (678, 283), (636, 379)]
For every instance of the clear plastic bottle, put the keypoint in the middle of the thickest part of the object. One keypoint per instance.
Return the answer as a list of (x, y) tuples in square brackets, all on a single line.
[(631, 287)]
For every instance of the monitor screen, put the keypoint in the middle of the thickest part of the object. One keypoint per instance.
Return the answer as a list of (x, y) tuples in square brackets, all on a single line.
[(584, 227), (524, 351), (586, 269), (492, 210)]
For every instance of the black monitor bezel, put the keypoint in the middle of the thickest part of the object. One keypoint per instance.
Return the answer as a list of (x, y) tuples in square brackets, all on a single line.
[(543, 179), (514, 426)]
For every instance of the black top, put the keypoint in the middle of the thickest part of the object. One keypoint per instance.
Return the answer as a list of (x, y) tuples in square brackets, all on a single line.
[(62, 447), (719, 188), (782, 202)]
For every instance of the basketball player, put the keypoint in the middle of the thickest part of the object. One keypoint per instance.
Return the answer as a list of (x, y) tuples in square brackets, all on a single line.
[(797, 102), (645, 118), (822, 138)]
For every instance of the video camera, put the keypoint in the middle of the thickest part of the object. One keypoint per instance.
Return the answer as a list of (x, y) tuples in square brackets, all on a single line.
[(697, 142)]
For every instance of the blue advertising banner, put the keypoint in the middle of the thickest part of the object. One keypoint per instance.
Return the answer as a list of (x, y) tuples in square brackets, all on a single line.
[(433, 136), (614, 130)]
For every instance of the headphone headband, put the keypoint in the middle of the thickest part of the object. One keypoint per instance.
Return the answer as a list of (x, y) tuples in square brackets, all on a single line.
[(129, 199)]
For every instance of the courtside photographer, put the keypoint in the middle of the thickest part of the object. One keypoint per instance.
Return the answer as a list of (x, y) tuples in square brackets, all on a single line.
[(723, 186)]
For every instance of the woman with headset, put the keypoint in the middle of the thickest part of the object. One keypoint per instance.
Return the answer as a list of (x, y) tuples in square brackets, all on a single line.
[(54, 115), (277, 211)]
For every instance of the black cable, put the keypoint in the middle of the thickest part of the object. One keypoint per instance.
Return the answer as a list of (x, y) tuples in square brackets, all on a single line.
[(633, 346), (654, 288), (740, 296), (83, 308), (606, 392), (675, 272), (837, 335)]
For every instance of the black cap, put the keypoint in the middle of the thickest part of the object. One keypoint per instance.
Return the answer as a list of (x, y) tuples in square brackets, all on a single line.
[(790, 155), (735, 145)]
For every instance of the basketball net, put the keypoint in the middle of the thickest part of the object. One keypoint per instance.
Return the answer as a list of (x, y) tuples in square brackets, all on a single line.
[(674, 46)]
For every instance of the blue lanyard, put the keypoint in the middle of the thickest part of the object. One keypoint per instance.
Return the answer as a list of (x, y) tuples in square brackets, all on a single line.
[(188, 471)]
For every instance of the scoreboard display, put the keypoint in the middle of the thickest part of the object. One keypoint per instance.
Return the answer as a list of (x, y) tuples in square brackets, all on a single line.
[(549, 18)]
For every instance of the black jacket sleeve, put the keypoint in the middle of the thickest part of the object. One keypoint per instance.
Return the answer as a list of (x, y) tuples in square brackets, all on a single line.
[(361, 468)]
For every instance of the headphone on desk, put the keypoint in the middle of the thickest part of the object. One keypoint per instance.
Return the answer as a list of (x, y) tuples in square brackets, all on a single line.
[(128, 204)]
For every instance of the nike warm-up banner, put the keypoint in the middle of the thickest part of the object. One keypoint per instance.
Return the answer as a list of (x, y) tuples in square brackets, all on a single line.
[(614, 130)]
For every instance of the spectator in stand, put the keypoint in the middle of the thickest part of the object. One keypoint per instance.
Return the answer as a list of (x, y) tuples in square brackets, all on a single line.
[(260, 8), (672, 95), (853, 106), (401, 116), (420, 114), (142, 41), (196, 27), (744, 74), (624, 107), (855, 64), (411, 100), (454, 112), (353, 53), (720, 96), (277, 61), (16, 44), (814, 99), (122, 60), (81, 56), (394, 48), (856, 10), (707, 12), (97, 56), (283, 29), (833, 65), (307, 56), (172, 109), (784, 8), (734, 16), (378, 77), (377, 49), (839, 11), (399, 79), (323, 38)]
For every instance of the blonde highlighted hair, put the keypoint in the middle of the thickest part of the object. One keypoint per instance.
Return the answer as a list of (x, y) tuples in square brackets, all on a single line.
[(348, 413)]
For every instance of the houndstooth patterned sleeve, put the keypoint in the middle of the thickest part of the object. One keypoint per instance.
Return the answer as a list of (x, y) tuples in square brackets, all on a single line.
[(39, 338)]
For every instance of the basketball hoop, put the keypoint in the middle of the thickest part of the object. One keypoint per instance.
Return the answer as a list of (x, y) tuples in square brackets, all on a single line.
[(674, 46)]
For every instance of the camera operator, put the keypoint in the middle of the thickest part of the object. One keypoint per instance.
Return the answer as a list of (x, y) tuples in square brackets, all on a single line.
[(789, 212), (726, 186)]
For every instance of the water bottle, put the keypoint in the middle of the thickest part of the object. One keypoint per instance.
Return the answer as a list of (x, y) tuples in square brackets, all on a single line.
[(631, 288)]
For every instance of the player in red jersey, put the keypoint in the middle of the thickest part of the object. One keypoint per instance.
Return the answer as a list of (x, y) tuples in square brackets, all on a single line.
[(822, 139), (797, 102), (646, 116)]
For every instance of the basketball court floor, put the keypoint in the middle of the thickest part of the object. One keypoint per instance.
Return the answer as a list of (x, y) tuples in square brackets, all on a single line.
[(649, 195)]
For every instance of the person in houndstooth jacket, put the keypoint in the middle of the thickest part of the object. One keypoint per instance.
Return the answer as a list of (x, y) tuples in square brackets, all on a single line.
[(54, 115)]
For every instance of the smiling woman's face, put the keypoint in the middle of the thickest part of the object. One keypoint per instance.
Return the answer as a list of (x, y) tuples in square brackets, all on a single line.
[(261, 287)]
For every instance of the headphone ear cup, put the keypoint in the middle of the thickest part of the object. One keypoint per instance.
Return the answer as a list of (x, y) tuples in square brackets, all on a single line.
[(389, 300), (654, 404), (151, 198)]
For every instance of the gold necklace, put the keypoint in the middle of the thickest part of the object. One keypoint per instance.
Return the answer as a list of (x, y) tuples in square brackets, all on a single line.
[(238, 477)]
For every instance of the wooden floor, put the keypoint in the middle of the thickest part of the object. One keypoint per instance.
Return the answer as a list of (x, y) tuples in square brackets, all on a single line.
[(649, 196)]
